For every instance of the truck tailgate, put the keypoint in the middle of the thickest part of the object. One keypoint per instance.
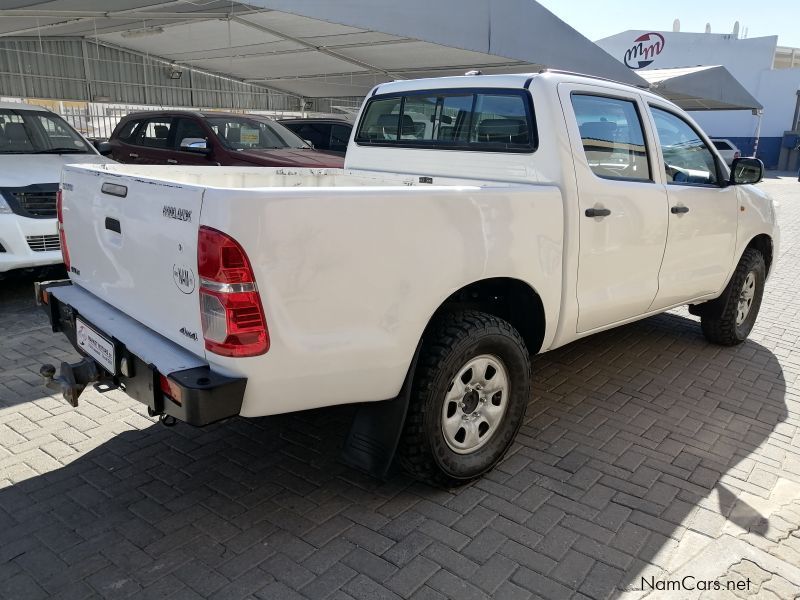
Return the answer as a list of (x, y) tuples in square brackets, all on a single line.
[(132, 242)]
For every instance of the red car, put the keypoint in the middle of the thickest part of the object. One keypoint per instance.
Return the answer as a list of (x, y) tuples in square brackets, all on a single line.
[(211, 138)]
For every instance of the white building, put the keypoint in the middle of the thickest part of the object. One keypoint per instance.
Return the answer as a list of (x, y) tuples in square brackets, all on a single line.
[(769, 72)]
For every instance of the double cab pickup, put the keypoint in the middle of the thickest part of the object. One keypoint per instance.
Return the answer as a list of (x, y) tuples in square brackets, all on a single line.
[(478, 221)]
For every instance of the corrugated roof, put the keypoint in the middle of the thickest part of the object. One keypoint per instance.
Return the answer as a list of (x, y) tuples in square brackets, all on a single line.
[(318, 48)]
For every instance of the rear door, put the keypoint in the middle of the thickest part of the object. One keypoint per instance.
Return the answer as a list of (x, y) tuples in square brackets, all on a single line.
[(133, 243), (703, 212), (622, 205), (154, 141), (123, 143)]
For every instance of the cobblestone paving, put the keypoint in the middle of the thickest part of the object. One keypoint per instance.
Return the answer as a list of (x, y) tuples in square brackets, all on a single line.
[(641, 446)]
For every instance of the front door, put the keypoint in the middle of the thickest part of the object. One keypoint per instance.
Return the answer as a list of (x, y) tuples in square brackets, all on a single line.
[(622, 205), (190, 127), (703, 213)]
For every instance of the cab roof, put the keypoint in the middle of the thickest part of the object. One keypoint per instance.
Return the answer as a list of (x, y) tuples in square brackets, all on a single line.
[(507, 81)]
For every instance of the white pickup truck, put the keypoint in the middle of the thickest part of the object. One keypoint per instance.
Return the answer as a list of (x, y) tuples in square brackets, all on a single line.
[(479, 220)]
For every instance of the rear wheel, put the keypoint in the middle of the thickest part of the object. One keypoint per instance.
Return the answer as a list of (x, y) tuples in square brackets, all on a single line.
[(468, 399), (741, 302)]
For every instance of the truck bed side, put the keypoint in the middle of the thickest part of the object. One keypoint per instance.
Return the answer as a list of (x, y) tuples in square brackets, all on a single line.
[(345, 273)]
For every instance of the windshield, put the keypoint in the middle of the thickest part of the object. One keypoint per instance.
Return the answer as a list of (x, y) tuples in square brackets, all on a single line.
[(38, 132), (241, 133)]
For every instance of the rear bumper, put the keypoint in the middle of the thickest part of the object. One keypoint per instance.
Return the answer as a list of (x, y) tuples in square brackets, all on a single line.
[(197, 395)]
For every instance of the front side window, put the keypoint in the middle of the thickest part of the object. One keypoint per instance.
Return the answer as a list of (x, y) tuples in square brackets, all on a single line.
[(612, 137), (126, 131), (687, 159), (315, 133), (486, 120), (188, 128), (244, 133), (37, 132), (340, 137), (720, 145)]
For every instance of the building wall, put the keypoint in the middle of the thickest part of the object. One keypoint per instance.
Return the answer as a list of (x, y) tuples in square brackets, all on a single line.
[(74, 69), (749, 60)]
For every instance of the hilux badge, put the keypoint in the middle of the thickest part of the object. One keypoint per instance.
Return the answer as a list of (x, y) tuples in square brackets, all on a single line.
[(184, 278)]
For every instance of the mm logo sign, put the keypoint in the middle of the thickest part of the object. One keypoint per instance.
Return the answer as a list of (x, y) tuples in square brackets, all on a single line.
[(644, 50)]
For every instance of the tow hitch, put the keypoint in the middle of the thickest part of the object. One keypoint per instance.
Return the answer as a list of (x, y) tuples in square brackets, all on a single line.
[(72, 379)]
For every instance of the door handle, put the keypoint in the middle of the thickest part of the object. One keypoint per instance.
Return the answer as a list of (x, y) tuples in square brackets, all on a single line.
[(597, 212), (113, 225), (132, 155), (677, 210), (172, 161)]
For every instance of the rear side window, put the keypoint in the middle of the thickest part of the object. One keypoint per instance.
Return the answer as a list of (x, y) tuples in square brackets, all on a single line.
[(612, 137), (480, 120), (720, 145), (154, 133)]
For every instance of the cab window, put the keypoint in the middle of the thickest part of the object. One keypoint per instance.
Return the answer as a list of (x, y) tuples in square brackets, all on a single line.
[(480, 120), (612, 137), (687, 159)]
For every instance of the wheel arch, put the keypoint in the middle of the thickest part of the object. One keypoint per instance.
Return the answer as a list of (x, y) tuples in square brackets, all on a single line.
[(377, 426), (763, 243), (510, 299)]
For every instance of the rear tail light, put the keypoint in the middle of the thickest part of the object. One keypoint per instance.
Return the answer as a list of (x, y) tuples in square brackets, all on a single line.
[(62, 236), (230, 305)]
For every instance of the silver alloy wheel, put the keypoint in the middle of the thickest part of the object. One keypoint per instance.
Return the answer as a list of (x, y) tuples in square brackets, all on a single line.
[(746, 297), (475, 404)]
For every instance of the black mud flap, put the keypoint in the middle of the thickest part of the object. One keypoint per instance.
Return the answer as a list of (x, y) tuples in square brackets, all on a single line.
[(376, 429)]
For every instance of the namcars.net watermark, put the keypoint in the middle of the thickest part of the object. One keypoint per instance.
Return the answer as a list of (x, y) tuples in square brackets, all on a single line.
[(690, 583)]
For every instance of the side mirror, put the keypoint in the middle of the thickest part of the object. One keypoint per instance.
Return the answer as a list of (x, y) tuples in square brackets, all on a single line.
[(746, 170), (196, 145), (103, 148), (310, 143)]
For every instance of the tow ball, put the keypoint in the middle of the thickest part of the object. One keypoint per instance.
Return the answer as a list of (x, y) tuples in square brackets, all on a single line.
[(72, 379)]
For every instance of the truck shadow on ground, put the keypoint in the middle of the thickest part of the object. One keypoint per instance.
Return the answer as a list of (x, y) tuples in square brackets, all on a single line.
[(624, 445)]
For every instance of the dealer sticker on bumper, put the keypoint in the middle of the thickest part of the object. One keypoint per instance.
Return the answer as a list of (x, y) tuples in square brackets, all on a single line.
[(96, 345)]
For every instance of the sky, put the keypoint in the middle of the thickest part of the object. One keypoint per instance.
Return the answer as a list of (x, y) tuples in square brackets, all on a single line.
[(598, 19)]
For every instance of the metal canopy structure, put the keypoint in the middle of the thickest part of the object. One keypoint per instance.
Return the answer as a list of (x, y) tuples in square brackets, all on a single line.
[(319, 48), (701, 88)]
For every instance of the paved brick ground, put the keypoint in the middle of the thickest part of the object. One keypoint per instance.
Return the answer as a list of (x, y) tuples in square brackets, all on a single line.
[(639, 449)]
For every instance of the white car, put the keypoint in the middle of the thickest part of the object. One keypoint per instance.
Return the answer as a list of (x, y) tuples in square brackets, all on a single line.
[(35, 144), (727, 150), (479, 220)]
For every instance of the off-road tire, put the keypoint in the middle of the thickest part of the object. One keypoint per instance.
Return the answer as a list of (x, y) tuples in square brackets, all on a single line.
[(449, 343), (719, 327)]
